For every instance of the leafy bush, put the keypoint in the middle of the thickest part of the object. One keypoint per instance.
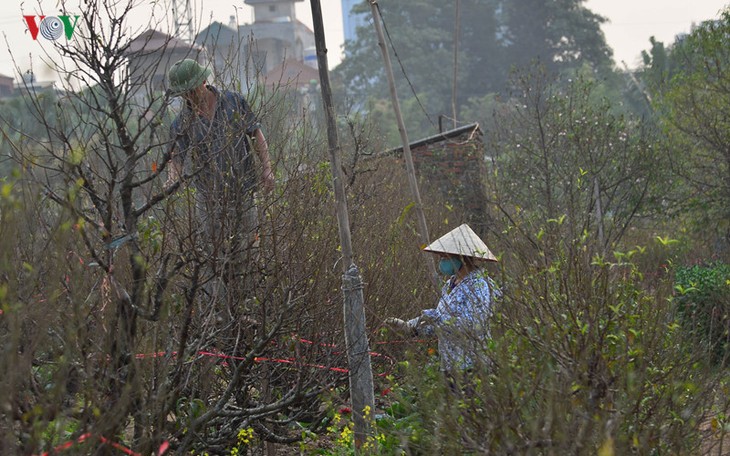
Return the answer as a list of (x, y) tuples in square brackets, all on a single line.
[(583, 360), (703, 304)]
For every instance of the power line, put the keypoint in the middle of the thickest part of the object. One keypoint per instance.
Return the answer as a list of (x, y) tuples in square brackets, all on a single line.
[(403, 70)]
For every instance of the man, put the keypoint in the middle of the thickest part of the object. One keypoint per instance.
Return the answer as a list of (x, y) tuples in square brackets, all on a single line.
[(210, 143)]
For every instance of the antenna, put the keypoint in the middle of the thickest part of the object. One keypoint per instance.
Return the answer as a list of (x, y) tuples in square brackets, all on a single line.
[(183, 19)]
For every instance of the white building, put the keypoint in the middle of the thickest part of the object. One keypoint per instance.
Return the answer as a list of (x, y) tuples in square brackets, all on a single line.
[(247, 52)]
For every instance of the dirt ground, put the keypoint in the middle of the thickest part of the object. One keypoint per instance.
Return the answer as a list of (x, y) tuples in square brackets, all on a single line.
[(715, 441)]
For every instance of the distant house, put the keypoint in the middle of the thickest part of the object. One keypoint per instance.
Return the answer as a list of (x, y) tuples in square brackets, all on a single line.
[(292, 74), (296, 79), (244, 53), (30, 85), (150, 56), (6, 86)]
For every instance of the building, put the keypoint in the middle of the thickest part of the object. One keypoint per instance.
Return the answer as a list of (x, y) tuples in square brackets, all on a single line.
[(292, 74), (6, 86), (351, 21), (30, 85), (246, 52), (272, 50), (150, 56)]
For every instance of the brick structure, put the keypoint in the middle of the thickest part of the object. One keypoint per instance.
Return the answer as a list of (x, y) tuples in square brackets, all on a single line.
[(453, 163), (245, 52)]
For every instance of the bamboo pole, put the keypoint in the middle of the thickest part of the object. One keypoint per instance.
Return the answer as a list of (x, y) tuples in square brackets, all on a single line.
[(410, 168), (457, 33), (356, 341)]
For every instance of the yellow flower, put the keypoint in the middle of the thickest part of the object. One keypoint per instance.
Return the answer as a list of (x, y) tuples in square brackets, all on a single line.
[(245, 436), (346, 435)]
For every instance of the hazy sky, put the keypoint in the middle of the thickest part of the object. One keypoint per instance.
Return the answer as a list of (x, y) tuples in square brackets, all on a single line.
[(17, 41), (631, 24)]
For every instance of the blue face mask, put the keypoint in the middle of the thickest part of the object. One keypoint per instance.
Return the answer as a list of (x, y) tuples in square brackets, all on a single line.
[(449, 266)]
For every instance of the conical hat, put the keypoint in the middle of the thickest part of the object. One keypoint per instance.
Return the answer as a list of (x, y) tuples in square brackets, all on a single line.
[(463, 241)]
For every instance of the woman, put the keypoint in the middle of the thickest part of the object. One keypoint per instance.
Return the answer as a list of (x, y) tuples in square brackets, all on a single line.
[(460, 318)]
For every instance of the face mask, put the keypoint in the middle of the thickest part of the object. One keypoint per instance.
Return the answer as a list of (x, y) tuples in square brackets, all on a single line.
[(449, 266)]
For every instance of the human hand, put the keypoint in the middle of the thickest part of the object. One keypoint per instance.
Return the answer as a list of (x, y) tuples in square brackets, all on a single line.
[(396, 323), (401, 326)]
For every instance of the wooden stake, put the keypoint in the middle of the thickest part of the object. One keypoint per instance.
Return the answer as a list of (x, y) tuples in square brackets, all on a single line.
[(410, 169), (356, 340)]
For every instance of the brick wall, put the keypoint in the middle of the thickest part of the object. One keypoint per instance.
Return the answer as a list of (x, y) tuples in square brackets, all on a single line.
[(451, 164), (454, 165)]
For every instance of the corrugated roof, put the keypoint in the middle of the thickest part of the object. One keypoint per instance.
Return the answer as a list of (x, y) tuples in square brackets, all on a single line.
[(440, 137)]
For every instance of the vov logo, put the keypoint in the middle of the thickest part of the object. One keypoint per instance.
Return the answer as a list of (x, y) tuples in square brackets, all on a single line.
[(51, 27)]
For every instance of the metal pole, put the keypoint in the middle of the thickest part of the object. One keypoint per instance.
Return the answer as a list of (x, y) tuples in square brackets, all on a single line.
[(410, 168), (356, 341)]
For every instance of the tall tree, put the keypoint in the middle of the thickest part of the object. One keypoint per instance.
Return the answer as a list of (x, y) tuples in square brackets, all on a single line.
[(479, 68), (691, 89), (492, 38), (559, 33), (420, 38), (564, 163)]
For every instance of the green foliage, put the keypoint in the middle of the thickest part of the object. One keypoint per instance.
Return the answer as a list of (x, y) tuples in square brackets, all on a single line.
[(559, 149), (703, 304), (21, 127), (585, 348), (689, 83), (398, 428), (582, 359), (657, 68), (493, 38), (560, 34)]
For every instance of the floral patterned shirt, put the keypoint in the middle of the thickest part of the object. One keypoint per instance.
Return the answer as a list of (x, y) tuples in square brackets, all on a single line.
[(460, 319)]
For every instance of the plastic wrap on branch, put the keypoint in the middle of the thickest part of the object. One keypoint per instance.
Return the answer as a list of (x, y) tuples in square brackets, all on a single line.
[(358, 352)]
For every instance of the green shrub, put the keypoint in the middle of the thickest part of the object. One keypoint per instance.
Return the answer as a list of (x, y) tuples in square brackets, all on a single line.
[(584, 359), (703, 304)]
